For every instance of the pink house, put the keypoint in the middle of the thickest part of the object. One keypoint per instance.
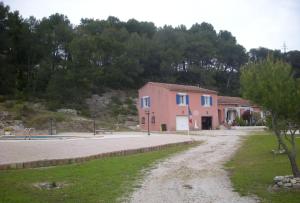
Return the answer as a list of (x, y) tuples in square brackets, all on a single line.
[(229, 108), (172, 107)]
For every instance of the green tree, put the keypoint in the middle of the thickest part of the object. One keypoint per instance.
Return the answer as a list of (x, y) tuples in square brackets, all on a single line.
[(293, 57), (230, 57), (262, 53), (55, 34), (7, 76), (142, 28), (14, 43), (269, 83)]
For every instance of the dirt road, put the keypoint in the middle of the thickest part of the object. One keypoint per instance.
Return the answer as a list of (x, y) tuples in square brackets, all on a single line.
[(196, 175)]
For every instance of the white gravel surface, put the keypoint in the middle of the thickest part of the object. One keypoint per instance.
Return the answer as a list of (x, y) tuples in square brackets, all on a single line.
[(196, 175), (16, 151)]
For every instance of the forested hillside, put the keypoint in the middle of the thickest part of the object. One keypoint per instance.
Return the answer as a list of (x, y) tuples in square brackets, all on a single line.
[(62, 63)]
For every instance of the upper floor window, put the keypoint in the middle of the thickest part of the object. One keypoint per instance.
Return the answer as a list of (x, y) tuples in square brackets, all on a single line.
[(206, 100), (182, 99), (145, 102)]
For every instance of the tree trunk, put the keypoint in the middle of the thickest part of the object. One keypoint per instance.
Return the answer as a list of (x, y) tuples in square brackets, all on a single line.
[(228, 80), (294, 165), (290, 153), (277, 133)]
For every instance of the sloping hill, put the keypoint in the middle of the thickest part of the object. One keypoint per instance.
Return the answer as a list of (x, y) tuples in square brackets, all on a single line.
[(113, 110)]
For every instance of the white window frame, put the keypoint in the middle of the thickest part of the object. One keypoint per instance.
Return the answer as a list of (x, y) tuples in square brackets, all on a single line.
[(182, 99), (206, 100), (146, 104)]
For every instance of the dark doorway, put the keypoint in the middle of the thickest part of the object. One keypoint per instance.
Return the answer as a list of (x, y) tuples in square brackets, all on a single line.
[(220, 116), (163, 127), (206, 122)]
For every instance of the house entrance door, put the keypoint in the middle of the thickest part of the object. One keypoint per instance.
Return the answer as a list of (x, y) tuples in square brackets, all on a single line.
[(206, 122)]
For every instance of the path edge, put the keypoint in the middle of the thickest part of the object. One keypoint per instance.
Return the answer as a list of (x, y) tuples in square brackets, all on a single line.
[(74, 160)]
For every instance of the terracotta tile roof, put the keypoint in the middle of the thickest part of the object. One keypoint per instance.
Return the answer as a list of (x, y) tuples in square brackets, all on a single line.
[(183, 88), (233, 100)]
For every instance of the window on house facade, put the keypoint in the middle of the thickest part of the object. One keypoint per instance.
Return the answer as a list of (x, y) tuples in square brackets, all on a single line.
[(163, 127), (145, 102), (143, 120), (182, 99), (206, 100), (153, 119)]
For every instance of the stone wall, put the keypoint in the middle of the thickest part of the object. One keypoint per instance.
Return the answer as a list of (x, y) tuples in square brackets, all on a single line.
[(286, 182)]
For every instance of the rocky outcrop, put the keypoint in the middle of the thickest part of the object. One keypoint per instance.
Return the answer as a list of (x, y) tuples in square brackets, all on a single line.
[(114, 106), (7, 123), (98, 104)]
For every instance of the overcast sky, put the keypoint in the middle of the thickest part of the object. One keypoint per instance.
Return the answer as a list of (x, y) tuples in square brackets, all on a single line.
[(267, 23)]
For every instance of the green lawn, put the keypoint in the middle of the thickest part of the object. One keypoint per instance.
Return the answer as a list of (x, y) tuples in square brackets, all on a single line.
[(254, 166), (103, 180)]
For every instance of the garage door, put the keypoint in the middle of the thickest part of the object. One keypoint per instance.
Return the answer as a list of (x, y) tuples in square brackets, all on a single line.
[(182, 123)]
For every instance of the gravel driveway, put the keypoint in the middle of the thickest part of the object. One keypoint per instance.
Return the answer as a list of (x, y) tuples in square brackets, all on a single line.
[(196, 175), (18, 151)]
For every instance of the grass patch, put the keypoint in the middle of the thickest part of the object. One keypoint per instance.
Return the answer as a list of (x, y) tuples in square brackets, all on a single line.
[(103, 180), (254, 166)]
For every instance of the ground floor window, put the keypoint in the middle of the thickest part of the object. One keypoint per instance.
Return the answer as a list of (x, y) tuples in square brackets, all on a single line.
[(163, 127), (143, 120), (153, 119)]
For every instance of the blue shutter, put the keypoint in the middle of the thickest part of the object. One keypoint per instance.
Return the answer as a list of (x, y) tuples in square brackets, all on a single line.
[(211, 101), (187, 99), (202, 100), (149, 101), (177, 99), (142, 103)]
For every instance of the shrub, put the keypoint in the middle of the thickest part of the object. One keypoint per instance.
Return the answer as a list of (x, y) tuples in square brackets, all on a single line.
[(132, 109), (26, 110), (260, 122), (255, 117), (128, 101), (53, 105), (42, 121), (8, 129), (2, 99), (9, 104), (240, 122), (116, 100)]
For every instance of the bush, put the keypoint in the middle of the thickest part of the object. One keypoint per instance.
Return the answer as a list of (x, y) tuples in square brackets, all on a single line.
[(53, 105), (8, 129), (240, 122), (256, 118), (9, 104), (269, 122), (132, 109), (26, 110), (128, 101), (260, 122), (116, 100), (42, 121), (2, 99)]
